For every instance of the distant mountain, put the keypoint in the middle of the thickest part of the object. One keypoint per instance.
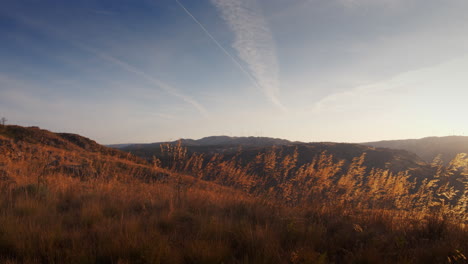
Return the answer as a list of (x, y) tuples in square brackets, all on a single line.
[(224, 141), (428, 148), (120, 146), (233, 141), (395, 160), (208, 145), (247, 148)]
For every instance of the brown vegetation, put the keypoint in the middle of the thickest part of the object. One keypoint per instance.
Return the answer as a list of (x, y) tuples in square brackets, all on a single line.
[(330, 182), (110, 209)]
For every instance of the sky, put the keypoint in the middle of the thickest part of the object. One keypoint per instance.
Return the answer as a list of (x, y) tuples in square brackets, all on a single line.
[(138, 71)]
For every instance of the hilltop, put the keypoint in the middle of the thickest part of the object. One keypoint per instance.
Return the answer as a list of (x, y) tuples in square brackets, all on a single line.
[(69, 154), (246, 149), (66, 199), (216, 141), (66, 141), (428, 148)]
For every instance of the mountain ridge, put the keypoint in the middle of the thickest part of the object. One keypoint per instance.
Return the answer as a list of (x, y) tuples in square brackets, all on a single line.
[(428, 148), (216, 140), (247, 148)]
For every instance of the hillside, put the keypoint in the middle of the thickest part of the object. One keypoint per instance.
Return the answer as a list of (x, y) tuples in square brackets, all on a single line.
[(247, 148), (213, 144), (428, 148), (65, 141), (66, 199), (285, 171), (68, 154), (217, 141)]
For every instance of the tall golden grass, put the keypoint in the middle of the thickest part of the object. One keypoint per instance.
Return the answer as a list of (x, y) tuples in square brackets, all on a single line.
[(61, 206), (328, 182)]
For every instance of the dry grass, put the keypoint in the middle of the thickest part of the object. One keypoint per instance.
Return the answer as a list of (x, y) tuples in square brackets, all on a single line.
[(71, 221), (442, 192), (117, 211)]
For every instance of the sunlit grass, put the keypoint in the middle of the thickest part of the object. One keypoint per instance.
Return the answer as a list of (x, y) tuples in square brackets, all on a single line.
[(111, 210)]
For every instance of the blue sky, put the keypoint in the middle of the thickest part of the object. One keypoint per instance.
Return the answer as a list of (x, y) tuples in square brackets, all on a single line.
[(311, 70)]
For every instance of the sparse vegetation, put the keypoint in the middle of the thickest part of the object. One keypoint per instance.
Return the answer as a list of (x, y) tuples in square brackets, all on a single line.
[(74, 205)]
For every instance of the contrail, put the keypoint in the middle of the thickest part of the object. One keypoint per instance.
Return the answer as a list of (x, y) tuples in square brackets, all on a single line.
[(51, 30), (166, 87), (254, 44), (247, 73)]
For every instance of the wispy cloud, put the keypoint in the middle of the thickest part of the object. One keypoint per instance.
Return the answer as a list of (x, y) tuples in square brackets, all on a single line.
[(215, 41), (254, 43), (111, 59), (423, 84), (166, 87)]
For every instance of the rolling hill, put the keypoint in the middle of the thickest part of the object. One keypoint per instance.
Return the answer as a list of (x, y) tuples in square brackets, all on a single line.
[(68, 154), (66, 199), (428, 148), (247, 148)]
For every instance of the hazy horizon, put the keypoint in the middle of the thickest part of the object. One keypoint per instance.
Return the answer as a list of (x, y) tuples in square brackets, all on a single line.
[(304, 70), (234, 136)]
